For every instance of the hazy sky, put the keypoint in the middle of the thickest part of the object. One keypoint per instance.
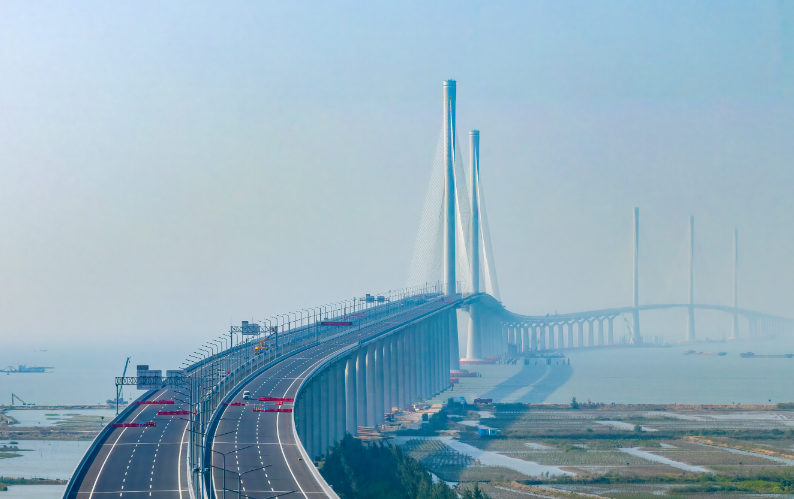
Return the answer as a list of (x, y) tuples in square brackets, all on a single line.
[(168, 167)]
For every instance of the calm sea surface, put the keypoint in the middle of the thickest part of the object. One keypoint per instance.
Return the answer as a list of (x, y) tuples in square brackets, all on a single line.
[(621, 375)]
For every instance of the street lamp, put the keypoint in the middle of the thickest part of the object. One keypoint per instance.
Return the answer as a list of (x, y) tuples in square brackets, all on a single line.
[(224, 464), (240, 477)]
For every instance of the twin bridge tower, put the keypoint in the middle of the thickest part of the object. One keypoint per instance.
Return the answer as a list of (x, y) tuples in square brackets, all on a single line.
[(454, 247)]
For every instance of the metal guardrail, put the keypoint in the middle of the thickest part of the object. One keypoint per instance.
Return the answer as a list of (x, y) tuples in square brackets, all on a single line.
[(80, 469)]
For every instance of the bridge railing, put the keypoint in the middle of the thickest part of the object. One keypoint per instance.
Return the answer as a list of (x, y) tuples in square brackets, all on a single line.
[(211, 379)]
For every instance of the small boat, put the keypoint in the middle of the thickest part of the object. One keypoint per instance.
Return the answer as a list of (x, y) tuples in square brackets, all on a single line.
[(751, 355), (706, 354)]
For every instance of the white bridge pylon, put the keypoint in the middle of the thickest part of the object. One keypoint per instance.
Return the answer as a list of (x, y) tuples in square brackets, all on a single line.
[(454, 242)]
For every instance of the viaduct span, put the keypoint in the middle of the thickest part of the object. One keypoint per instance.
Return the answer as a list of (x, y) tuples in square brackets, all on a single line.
[(250, 412)]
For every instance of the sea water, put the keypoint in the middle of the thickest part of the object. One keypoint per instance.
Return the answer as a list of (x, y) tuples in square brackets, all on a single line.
[(55, 459), (666, 375)]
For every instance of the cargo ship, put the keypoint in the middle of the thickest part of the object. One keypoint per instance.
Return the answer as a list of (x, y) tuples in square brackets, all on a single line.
[(707, 354), (751, 355), (21, 368)]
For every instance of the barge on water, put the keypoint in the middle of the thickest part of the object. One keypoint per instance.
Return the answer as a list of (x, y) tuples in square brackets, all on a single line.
[(751, 355), (706, 354), (21, 368)]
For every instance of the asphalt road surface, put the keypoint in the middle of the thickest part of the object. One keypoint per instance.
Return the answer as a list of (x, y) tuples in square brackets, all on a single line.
[(262, 456)]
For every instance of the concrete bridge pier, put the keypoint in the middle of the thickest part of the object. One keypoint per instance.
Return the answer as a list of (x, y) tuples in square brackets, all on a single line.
[(560, 340), (315, 418), (541, 331), (600, 322), (402, 371), (326, 416), (341, 408), (361, 387), (580, 333), (385, 347), (590, 333), (351, 399), (570, 335), (394, 375), (610, 331), (452, 331), (370, 386), (474, 343), (525, 344)]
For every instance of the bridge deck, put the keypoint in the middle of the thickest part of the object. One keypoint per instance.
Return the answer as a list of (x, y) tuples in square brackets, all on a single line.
[(152, 461)]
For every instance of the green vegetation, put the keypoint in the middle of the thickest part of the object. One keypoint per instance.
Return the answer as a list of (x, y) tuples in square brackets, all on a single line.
[(7, 455), (574, 403), (474, 493), (6, 481), (373, 471)]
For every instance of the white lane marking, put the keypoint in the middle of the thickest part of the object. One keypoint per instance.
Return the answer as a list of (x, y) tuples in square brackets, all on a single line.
[(179, 463), (114, 445)]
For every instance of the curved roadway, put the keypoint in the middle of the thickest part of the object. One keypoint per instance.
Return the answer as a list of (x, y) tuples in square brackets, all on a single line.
[(262, 454), (143, 461), (255, 440)]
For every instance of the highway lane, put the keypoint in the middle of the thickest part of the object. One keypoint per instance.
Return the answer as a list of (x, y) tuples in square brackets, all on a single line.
[(151, 461), (255, 440), (143, 461)]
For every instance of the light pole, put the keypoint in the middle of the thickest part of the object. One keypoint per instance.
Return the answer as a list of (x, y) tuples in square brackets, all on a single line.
[(224, 464), (240, 477)]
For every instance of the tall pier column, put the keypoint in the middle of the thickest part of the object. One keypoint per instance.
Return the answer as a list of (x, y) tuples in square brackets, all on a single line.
[(637, 337), (386, 352), (690, 327), (402, 383), (600, 322), (361, 387), (415, 356), (560, 335), (311, 414), (300, 409), (610, 339), (590, 338), (432, 364), (405, 368), (449, 187), (317, 417), (570, 335), (341, 406), (444, 347), (372, 403), (735, 324), (378, 382), (326, 413), (454, 347), (579, 333), (351, 406), (394, 378), (474, 344)]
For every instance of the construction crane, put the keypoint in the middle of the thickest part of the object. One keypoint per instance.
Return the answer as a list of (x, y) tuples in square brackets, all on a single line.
[(118, 394), (13, 396)]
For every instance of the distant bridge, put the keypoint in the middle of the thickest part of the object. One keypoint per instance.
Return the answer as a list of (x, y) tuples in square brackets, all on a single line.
[(251, 412)]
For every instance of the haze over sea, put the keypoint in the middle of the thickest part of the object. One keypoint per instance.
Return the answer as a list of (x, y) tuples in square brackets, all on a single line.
[(620, 375)]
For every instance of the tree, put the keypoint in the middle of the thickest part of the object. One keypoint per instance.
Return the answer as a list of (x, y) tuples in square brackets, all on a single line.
[(574, 403), (475, 493), (372, 471)]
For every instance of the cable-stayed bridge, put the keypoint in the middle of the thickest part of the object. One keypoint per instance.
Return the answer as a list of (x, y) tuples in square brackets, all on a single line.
[(251, 411)]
